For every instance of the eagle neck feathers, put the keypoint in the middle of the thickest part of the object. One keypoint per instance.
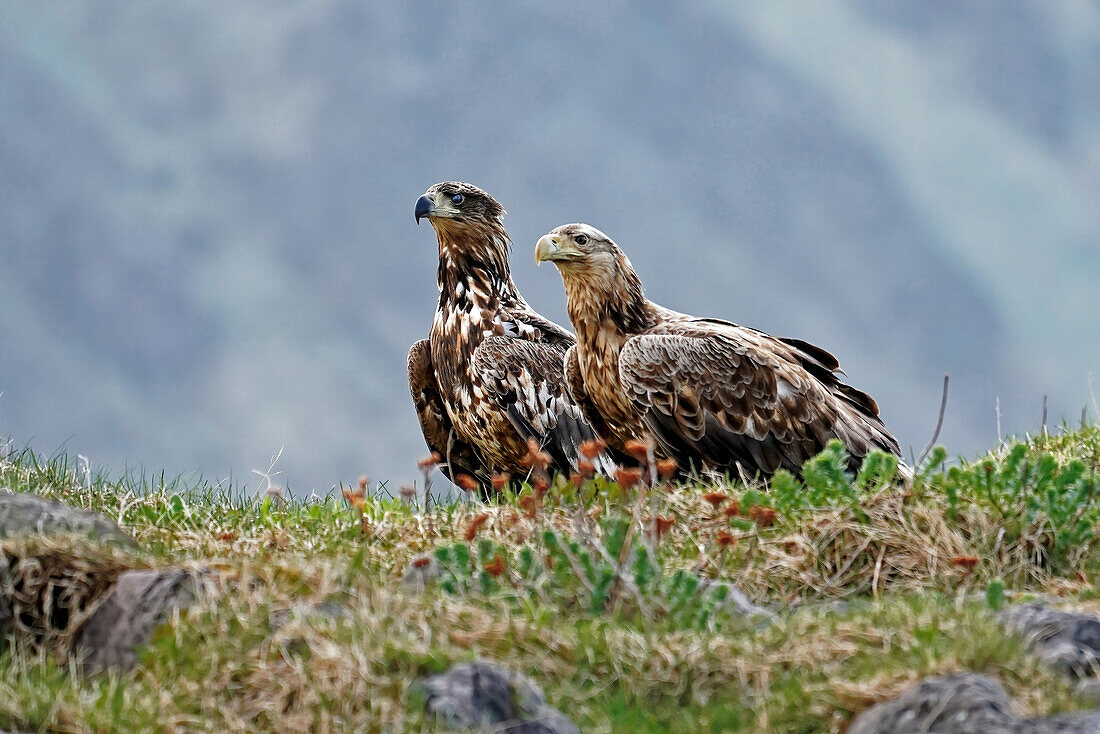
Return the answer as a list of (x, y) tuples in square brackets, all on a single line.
[(606, 310), (610, 308), (474, 276)]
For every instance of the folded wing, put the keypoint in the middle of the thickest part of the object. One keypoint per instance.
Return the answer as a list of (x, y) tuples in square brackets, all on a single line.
[(526, 379), (458, 456), (716, 394)]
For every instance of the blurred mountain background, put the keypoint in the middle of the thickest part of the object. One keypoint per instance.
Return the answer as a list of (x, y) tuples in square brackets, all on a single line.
[(207, 246)]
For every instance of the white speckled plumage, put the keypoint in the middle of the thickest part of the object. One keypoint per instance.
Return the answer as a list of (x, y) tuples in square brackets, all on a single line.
[(495, 363)]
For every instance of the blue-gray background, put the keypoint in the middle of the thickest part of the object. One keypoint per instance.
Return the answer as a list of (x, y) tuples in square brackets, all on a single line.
[(207, 248)]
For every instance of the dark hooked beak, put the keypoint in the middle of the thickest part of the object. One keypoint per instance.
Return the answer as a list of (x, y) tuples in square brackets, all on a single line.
[(423, 207)]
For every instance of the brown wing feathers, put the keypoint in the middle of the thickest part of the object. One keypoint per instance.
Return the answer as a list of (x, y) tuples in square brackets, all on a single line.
[(715, 395)]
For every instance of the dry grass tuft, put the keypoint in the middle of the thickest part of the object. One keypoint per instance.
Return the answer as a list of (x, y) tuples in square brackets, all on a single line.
[(53, 584)]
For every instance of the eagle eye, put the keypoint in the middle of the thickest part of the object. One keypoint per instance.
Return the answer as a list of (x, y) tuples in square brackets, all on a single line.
[(581, 239), (458, 198)]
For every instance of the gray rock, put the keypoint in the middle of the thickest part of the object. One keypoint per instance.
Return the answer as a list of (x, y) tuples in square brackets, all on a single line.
[(487, 697), (29, 514), (1087, 722), (1066, 641), (137, 603), (963, 704), (958, 703)]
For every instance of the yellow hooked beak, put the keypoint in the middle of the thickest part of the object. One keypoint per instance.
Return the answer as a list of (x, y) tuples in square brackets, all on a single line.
[(547, 248)]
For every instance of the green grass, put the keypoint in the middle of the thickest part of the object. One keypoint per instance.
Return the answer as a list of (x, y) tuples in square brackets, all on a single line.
[(877, 584)]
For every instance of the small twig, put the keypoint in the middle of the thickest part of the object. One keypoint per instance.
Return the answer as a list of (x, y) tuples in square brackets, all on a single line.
[(621, 577), (878, 571), (1000, 436), (578, 569), (628, 541), (580, 522), (426, 471), (1084, 416), (634, 520), (654, 499), (939, 424), (427, 466), (651, 459), (1095, 406), (1044, 414)]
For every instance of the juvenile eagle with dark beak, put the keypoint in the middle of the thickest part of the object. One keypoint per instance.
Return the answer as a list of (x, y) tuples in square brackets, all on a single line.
[(714, 395), (489, 375)]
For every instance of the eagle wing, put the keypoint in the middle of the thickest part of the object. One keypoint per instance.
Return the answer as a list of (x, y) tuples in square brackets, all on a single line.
[(459, 457), (724, 396), (523, 373)]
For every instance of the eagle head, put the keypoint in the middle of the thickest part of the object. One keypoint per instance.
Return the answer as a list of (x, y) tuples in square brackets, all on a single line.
[(598, 276), (577, 247), (455, 202)]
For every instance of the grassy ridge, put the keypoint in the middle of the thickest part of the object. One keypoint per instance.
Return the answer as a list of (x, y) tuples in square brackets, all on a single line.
[(876, 585)]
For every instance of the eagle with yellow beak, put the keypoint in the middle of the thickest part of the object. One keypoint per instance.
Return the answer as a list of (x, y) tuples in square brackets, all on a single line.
[(714, 395)]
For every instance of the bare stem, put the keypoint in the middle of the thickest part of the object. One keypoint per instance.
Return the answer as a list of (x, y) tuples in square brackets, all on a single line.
[(939, 424)]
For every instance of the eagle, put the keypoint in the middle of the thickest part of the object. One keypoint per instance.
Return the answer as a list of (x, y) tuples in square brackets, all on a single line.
[(489, 377), (714, 396)]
